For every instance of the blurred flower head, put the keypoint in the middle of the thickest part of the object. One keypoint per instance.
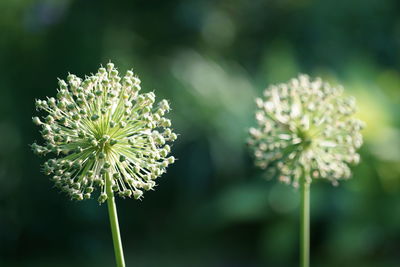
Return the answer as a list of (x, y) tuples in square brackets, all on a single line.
[(102, 130), (306, 127)]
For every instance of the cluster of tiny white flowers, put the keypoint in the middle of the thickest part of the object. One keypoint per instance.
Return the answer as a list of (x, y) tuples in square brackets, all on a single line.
[(104, 131), (306, 128)]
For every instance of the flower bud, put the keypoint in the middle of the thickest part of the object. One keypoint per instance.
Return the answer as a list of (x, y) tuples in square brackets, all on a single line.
[(102, 198), (36, 121), (137, 194)]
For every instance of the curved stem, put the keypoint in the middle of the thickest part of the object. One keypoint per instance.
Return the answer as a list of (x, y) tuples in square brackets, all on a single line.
[(112, 212), (304, 223)]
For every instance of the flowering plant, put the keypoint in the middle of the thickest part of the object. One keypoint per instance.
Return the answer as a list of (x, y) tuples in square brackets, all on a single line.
[(306, 130), (105, 135)]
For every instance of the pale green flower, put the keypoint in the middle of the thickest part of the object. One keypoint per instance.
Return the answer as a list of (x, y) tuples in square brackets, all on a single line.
[(100, 126), (306, 127)]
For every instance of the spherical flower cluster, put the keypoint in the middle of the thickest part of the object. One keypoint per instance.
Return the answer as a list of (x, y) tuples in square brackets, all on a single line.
[(104, 133), (306, 129)]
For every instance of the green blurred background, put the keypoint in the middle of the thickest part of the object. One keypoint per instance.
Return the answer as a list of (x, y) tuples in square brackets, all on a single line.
[(210, 59)]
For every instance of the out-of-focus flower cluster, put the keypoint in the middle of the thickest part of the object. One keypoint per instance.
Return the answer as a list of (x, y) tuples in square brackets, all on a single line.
[(306, 127), (104, 133)]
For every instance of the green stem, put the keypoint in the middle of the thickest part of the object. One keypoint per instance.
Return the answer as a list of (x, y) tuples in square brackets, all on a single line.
[(112, 212), (305, 223)]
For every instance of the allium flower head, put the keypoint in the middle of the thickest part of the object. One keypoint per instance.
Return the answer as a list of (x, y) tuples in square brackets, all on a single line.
[(306, 127), (102, 130)]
